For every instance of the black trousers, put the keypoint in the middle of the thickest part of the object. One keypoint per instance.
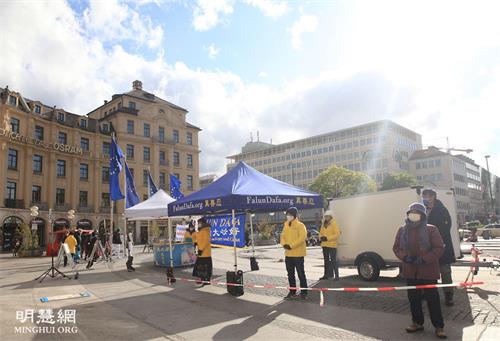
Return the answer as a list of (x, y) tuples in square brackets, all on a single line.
[(292, 264), (330, 262), (416, 296), (203, 268)]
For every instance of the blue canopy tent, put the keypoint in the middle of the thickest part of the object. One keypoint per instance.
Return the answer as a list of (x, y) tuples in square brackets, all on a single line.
[(244, 189)]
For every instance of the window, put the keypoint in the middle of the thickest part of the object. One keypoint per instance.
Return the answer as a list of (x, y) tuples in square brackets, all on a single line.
[(130, 127), (437, 162), (190, 161), (37, 163), (11, 190), (147, 130), (106, 147), (83, 199), (131, 172), (14, 125), (131, 105), (12, 100), (60, 116), (105, 127), (176, 136), (83, 123), (38, 109), (190, 182), (147, 154), (130, 151), (189, 138), (12, 159), (62, 138), (105, 174), (145, 177), (177, 176), (162, 155), (39, 133), (176, 159), (162, 180), (84, 171), (60, 196), (36, 194), (84, 144), (161, 134), (61, 168), (105, 200)]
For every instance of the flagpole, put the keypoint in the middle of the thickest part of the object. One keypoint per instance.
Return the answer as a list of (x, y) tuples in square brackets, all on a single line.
[(112, 206), (125, 204), (149, 195)]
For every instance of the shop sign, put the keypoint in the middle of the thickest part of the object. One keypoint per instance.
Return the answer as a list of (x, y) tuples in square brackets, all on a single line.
[(29, 140)]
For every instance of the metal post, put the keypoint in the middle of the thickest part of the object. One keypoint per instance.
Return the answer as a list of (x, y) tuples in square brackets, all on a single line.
[(251, 231), (234, 243), (170, 242), (110, 241), (489, 185)]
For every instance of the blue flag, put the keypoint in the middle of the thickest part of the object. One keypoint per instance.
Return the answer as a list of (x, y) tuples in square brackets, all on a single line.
[(152, 187), (115, 167), (175, 187), (131, 196)]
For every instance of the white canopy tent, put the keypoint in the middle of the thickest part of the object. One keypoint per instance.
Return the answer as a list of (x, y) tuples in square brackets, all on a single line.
[(156, 207)]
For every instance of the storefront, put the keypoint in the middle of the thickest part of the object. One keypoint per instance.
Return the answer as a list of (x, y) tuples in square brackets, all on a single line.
[(38, 224), (9, 227), (60, 224), (84, 224)]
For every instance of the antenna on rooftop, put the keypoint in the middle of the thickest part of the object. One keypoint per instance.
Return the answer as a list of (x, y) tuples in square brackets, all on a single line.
[(258, 136)]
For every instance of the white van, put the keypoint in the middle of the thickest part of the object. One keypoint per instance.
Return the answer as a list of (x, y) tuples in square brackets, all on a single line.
[(369, 223)]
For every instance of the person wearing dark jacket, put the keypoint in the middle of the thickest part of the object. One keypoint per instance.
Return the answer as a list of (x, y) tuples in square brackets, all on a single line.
[(419, 246), (439, 216), (91, 244)]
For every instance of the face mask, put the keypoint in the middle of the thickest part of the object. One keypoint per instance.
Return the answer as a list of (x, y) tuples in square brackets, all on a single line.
[(414, 217), (289, 218)]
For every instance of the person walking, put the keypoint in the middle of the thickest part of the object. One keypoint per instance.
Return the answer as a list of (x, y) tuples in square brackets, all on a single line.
[(293, 239), (439, 216), (78, 237), (90, 248), (130, 252), (329, 234), (117, 243), (204, 266), (419, 246)]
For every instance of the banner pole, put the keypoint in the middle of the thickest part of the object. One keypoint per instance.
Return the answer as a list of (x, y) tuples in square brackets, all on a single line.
[(170, 243), (111, 227), (253, 239), (234, 242)]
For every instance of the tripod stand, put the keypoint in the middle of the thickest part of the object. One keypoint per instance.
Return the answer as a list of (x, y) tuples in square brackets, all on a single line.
[(52, 271)]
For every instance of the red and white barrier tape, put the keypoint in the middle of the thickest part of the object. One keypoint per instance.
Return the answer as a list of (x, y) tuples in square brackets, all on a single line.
[(346, 289)]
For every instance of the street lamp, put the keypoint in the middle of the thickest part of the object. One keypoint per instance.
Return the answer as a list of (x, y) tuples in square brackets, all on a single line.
[(489, 184)]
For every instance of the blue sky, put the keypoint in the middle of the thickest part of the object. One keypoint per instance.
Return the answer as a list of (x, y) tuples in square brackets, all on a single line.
[(289, 69)]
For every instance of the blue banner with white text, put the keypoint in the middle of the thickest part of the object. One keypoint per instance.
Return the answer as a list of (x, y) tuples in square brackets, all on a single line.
[(221, 230)]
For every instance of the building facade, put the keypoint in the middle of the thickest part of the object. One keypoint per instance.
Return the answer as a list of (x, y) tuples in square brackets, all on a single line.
[(55, 159), (377, 149)]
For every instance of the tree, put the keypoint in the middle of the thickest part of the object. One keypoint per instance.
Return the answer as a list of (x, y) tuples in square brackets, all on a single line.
[(336, 182), (398, 180)]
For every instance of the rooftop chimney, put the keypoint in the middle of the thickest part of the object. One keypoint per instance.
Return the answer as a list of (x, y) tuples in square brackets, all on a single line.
[(137, 85)]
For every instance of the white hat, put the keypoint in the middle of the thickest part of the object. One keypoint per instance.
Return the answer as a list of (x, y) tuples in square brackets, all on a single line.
[(329, 213)]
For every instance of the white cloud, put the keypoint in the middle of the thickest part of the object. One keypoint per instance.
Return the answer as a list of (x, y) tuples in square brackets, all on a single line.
[(262, 74), (270, 8), (207, 13), (212, 51), (305, 24), (113, 20)]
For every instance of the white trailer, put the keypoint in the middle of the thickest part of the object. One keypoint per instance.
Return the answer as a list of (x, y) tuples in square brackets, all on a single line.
[(369, 224)]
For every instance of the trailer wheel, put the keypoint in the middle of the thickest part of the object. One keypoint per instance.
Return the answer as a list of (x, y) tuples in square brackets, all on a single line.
[(368, 269)]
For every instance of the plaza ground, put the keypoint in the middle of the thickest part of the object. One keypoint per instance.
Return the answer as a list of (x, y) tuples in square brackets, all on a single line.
[(140, 306)]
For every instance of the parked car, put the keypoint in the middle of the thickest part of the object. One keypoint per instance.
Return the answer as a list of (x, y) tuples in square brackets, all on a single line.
[(490, 231)]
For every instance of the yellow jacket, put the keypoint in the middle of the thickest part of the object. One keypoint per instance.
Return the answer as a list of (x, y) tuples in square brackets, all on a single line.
[(203, 240), (295, 236), (71, 241), (331, 232)]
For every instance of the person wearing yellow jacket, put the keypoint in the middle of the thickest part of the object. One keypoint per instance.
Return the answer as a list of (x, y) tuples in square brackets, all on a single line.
[(293, 239), (329, 235), (203, 264)]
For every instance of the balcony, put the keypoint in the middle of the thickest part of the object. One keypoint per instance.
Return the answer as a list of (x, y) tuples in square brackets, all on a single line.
[(163, 140), (62, 207), (14, 203), (106, 209), (85, 209), (164, 163)]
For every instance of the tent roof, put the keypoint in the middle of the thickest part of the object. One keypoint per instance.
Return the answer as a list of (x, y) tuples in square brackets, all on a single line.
[(153, 208), (245, 189)]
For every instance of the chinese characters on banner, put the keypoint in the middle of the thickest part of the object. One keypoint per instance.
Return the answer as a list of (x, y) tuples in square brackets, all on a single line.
[(46, 316), (221, 230)]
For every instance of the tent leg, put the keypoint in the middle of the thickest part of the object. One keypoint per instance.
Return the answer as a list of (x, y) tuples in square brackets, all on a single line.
[(170, 269), (234, 242), (254, 265)]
